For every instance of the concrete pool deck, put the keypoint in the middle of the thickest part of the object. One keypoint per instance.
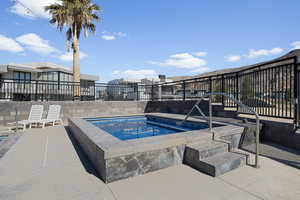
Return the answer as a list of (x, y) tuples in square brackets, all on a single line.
[(46, 164)]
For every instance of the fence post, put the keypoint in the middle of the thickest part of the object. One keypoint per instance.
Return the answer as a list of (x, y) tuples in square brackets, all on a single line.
[(95, 96), (296, 98), (183, 87), (159, 92), (152, 92), (36, 90), (137, 92), (210, 85), (237, 89), (222, 89)]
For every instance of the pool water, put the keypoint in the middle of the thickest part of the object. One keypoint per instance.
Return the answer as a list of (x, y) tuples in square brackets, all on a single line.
[(127, 128), (2, 138)]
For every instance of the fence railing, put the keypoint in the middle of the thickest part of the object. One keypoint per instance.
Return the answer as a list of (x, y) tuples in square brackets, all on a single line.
[(271, 89)]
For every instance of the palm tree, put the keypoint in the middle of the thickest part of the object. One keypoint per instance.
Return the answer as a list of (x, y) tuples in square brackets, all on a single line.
[(76, 16)]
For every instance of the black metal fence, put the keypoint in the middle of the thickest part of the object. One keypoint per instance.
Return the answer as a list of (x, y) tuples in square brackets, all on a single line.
[(270, 88)]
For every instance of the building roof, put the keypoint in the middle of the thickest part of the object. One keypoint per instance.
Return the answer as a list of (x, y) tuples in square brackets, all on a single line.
[(43, 67), (50, 67), (22, 67)]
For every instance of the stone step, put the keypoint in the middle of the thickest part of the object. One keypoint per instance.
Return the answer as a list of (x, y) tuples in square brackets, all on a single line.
[(220, 163), (205, 149)]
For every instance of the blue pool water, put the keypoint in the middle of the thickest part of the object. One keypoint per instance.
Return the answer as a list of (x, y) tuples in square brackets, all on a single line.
[(2, 138), (127, 128)]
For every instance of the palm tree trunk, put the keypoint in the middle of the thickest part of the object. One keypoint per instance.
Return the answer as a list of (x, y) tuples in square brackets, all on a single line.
[(76, 67)]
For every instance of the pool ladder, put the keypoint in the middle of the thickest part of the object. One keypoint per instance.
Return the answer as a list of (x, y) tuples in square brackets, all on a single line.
[(209, 119)]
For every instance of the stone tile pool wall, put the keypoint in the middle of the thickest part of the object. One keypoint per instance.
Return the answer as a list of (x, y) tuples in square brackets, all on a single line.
[(115, 159)]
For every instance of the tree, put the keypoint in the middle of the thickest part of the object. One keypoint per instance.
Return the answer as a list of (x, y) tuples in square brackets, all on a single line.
[(76, 16)]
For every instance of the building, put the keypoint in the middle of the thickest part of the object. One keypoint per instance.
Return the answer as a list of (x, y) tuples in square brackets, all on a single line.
[(121, 89), (45, 81), (141, 89)]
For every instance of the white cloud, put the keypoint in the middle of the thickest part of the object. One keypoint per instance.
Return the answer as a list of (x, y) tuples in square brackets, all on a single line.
[(200, 70), (108, 37), (135, 74), (9, 44), (69, 56), (120, 34), (183, 61), (264, 52), (296, 45), (200, 54), (276, 50), (36, 44), (233, 58), (32, 8)]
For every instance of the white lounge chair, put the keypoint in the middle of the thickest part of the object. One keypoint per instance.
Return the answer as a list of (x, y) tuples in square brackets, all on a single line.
[(34, 117), (52, 116)]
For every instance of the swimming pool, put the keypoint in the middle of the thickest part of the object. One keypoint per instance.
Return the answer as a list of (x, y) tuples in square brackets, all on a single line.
[(2, 137), (134, 127)]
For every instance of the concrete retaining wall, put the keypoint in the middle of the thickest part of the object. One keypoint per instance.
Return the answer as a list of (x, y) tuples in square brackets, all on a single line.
[(181, 107), (281, 133), (72, 109), (99, 108)]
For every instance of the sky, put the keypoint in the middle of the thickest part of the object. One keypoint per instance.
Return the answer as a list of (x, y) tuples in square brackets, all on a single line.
[(142, 39)]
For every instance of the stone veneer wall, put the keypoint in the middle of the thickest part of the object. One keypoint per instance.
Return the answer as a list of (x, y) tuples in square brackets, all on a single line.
[(143, 162), (115, 160), (72, 109), (100, 108)]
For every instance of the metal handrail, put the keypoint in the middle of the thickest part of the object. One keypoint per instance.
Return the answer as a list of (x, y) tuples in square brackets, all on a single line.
[(209, 119)]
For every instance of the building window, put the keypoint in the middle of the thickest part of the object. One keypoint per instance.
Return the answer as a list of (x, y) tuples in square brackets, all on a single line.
[(22, 76), (65, 77), (55, 76), (48, 76)]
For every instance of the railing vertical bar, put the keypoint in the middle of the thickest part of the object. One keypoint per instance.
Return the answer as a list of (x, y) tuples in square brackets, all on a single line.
[(296, 98), (269, 91), (272, 90), (275, 91), (210, 113), (265, 91), (281, 93), (184, 92), (222, 89), (291, 92), (286, 91)]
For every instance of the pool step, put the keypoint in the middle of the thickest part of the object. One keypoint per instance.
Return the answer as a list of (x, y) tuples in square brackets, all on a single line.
[(168, 126), (206, 149), (212, 158)]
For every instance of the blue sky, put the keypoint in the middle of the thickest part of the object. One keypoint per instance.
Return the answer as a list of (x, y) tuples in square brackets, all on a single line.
[(139, 39)]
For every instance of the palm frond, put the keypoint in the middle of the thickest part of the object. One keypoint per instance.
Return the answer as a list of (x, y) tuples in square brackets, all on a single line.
[(77, 15)]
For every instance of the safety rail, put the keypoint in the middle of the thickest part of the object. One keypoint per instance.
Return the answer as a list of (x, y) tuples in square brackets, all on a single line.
[(209, 119)]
